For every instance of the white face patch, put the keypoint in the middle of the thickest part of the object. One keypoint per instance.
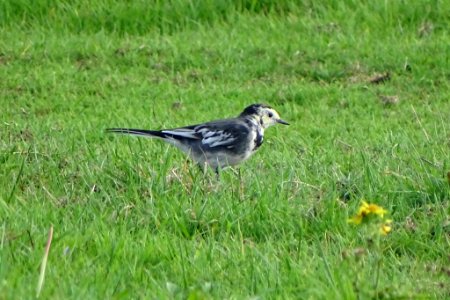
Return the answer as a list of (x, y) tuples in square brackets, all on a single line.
[(268, 117)]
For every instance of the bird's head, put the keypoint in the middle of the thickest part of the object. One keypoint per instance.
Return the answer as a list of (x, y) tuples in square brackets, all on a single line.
[(264, 114)]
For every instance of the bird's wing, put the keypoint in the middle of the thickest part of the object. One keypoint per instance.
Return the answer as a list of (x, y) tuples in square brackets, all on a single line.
[(213, 134), (224, 133)]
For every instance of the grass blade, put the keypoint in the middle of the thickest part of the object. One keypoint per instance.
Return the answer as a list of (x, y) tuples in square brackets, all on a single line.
[(44, 262)]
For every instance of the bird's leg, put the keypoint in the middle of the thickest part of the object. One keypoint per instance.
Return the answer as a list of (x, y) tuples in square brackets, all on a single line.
[(217, 171), (241, 185), (203, 169)]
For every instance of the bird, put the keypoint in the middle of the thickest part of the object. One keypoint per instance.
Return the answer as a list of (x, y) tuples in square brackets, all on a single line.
[(220, 143)]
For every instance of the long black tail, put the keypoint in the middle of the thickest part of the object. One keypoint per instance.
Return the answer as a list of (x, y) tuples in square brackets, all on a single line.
[(138, 132)]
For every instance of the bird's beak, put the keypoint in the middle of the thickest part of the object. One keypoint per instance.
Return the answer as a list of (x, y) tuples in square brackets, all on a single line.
[(282, 122)]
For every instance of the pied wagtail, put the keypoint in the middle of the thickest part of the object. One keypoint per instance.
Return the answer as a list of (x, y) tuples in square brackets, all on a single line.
[(219, 143)]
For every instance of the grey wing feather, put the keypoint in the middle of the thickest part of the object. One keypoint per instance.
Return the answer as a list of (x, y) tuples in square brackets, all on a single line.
[(212, 134), (184, 132), (225, 133)]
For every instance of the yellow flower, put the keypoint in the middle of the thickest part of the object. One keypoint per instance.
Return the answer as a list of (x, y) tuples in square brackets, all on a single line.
[(366, 210), (386, 227), (356, 219)]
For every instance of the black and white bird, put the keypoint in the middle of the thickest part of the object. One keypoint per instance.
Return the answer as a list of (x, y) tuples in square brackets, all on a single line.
[(221, 143)]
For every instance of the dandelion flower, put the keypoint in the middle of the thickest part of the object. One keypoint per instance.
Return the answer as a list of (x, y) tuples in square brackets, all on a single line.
[(356, 219), (386, 227), (365, 210), (371, 208)]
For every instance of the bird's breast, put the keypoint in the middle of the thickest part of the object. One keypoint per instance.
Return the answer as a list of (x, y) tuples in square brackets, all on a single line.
[(258, 140)]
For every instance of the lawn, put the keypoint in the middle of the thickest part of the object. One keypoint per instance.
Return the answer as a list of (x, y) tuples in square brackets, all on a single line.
[(365, 86)]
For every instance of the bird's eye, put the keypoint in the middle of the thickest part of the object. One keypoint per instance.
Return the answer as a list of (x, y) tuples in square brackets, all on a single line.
[(270, 115)]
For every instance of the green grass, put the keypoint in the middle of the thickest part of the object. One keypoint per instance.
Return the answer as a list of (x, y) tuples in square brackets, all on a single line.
[(133, 219)]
